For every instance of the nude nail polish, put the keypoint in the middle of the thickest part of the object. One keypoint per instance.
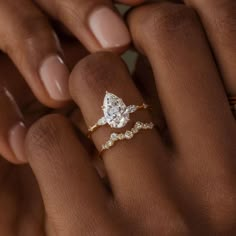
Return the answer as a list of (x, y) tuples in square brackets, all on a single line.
[(16, 140), (108, 28), (54, 75)]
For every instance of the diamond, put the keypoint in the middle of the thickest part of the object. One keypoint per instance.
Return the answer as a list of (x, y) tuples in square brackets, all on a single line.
[(105, 147), (139, 125), (102, 121), (131, 109), (114, 137), (115, 111), (151, 126), (129, 135), (110, 143)]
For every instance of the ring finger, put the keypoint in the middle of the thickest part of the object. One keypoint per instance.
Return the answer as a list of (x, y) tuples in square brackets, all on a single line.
[(133, 166)]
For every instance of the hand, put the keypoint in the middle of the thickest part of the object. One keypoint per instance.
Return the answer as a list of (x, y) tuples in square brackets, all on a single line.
[(19, 107), (185, 188), (29, 38)]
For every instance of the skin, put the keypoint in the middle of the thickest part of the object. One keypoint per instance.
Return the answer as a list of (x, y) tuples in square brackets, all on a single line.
[(28, 36), (184, 188)]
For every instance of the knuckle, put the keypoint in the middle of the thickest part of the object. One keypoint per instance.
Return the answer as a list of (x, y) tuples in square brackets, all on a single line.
[(95, 71), (29, 34), (34, 25), (44, 136), (164, 20), (72, 13)]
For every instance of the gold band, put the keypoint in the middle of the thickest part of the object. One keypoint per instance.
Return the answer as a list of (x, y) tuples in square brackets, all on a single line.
[(129, 134)]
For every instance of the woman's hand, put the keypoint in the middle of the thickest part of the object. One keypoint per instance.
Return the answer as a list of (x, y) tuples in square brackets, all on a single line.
[(29, 38), (19, 108), (184, 188)]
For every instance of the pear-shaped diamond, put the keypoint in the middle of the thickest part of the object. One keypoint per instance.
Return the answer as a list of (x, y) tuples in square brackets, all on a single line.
[(115, 111)]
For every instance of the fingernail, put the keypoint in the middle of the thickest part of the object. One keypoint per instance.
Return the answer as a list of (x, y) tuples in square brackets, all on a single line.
[(54, 74), (16, 140), (108, 28)]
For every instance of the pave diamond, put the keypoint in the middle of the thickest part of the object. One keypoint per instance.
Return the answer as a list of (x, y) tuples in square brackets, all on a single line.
[(131, 109), (102, 121), (114, 137), (115, 111), (129, 135)]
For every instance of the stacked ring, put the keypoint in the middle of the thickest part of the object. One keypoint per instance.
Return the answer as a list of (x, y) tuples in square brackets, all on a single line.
[(116, 115), (129, 134)]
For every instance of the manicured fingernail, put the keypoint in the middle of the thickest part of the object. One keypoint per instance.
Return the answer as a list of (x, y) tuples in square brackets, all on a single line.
[(108, 28), (54, 74), (16, 140)]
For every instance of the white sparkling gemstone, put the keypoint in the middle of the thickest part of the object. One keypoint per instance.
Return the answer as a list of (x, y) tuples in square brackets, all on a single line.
[(114, 137), (131, 109), (102, 121), (151, 125), (139, 125), (115, 111), (106, 146), (129, 135), (110, 143)]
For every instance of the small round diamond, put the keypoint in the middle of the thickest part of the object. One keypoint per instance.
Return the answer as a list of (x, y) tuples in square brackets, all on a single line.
[(105, 147), (102, 121), (114, 137), (129, 135), (131, 109), (110, 143), (139, 125), (151, 125)]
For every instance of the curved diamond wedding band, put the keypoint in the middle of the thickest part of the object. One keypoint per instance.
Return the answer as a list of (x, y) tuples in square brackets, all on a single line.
[(116, 113), (129, 134)]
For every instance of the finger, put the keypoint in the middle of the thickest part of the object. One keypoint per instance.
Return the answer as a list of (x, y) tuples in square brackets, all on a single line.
[(145, 81), (175, 82), (28, 39), (95, 23), (12, 129), (74, 197), (133, 166), (219, 20), (194, 104)]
